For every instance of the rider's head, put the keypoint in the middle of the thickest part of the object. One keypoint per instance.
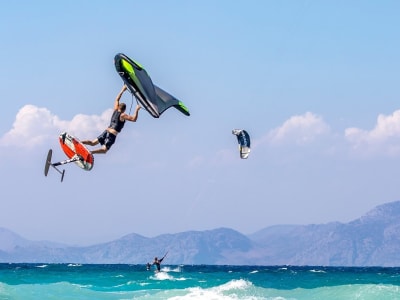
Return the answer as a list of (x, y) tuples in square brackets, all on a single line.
[(122, 107)]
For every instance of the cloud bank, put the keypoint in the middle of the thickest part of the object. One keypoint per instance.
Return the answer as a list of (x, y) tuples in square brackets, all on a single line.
[(300, 130), (34, 126), (384, 138)]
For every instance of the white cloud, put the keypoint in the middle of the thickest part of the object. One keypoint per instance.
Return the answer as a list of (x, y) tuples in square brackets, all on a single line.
[(301, 129), (34, 126), (383, 138)]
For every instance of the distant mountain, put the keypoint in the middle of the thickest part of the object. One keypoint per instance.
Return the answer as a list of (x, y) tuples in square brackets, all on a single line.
[(193, 247), (372, 240)]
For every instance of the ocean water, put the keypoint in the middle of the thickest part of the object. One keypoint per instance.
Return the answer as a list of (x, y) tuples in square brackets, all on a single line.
[(75, 281)]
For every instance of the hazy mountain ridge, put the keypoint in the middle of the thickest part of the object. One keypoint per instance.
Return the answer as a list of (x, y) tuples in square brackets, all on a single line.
[(371, 240)]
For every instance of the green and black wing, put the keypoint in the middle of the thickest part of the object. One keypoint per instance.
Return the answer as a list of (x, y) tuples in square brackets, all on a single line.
[(154, 99)]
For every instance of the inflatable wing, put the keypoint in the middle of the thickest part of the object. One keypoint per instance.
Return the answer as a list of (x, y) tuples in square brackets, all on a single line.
[(151, 97), (243, 141)]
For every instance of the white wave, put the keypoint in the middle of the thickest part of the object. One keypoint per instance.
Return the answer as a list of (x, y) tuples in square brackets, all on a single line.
[(84, 286), (139, 283), (177, 269), (232, 290), (317, 271), (238, 284), (162, 276), (74, 265), (42, 266)]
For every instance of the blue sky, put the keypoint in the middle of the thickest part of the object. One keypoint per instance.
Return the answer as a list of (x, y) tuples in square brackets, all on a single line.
[(315, 83)]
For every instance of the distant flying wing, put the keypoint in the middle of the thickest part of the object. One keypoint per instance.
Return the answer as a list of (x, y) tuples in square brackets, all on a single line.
[(151, 97), (243, 139)]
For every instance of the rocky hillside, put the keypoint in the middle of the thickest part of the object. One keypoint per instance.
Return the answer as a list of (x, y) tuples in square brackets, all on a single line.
[(372, 240)]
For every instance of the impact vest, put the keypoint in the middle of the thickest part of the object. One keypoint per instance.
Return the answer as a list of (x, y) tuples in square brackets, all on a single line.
[(116, 123)]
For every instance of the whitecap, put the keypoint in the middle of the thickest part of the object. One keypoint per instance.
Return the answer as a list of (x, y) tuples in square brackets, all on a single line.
[(74, 265), (162, 276), (317, 271)]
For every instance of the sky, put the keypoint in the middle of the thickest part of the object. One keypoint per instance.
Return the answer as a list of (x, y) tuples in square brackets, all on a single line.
[(315, 83)]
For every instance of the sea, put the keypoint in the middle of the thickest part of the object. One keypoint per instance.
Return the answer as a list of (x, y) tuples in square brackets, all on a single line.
[(124, 281)]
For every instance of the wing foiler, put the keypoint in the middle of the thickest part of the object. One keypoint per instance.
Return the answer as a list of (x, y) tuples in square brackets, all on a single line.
[(151, 97), (243, 141)]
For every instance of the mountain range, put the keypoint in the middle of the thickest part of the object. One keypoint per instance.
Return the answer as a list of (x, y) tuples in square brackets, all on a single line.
[(371, 240)]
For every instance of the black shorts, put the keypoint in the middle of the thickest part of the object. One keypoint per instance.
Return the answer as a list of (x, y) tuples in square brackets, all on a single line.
[(107, 139)]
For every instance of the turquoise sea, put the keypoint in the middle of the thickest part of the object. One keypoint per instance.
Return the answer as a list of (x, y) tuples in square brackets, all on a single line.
[(120, 281)]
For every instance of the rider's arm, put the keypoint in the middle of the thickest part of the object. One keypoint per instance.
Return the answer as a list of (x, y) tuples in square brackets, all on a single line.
[(135, 115), (116, 102)]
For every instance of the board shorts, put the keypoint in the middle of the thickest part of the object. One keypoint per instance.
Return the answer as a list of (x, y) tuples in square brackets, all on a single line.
[(107, 139)]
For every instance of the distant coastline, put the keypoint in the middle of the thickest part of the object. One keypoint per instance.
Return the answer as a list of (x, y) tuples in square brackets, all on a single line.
[(371, 240)]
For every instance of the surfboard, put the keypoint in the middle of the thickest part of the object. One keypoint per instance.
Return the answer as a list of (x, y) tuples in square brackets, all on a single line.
[(73, 148)]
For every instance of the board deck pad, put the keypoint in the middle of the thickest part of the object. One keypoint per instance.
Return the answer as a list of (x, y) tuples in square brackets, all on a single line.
[(72, 147)]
